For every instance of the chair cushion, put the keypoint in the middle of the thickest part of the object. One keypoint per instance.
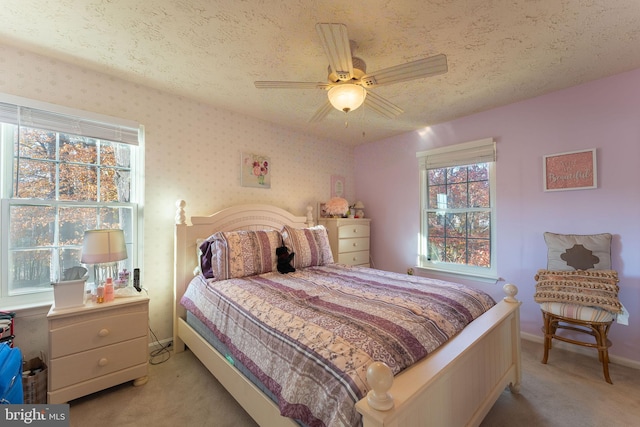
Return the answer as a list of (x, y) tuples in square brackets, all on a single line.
[(578, 252), (580, 312)]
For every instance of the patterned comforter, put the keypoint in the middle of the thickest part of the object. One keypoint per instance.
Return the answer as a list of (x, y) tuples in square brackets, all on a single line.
[(309, 336)]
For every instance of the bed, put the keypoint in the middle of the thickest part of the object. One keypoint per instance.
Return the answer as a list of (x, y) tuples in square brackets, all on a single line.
[(455, 385)]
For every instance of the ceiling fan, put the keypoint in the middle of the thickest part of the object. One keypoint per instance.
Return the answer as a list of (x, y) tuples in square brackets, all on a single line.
[(348, 81)]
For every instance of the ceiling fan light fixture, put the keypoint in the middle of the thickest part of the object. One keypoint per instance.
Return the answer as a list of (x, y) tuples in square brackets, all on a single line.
[(347, 97)]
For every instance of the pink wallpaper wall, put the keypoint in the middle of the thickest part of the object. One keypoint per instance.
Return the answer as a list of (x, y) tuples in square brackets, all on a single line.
[(192, 153), (604, 114)]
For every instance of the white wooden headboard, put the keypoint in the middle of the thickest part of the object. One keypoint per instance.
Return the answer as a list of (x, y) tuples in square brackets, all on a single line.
[(240, 217)]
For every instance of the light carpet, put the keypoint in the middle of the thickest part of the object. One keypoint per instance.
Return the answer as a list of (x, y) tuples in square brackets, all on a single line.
[(569, 391)]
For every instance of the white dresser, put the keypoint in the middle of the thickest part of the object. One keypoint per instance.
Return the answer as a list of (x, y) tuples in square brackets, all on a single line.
[(97, 346), (349, 239)]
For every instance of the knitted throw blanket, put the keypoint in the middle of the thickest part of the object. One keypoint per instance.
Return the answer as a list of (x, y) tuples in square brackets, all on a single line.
[(595, 288)]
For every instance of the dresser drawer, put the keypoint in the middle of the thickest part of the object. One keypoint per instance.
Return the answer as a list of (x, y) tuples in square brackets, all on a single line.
[(97, 332), (353, 245), (353, 230), (76, 368), (354, 258)]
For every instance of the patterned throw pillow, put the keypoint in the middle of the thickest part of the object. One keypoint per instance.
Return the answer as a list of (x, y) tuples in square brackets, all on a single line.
[(310, 245), (243, 253), (593, 288), (580, 252)]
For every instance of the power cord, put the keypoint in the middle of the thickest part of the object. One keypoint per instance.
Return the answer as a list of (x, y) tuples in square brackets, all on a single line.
[(161, 352)]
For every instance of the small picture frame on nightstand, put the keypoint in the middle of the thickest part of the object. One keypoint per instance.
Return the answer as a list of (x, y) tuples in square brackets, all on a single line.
[(322, 211)]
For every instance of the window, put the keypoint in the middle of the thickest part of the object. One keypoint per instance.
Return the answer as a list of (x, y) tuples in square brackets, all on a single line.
[(63, 172), (457, 193)]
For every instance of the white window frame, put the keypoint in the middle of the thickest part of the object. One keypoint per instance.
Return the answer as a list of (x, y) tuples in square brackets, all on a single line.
[(480, 151), (92, 125)]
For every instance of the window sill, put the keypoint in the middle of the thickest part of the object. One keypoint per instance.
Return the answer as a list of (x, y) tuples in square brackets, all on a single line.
[(453, 275), (29, 310)]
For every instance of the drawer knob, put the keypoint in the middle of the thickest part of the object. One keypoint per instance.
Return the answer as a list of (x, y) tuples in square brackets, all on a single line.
[(103, 332), (355, 230), (355, 244), (103, 362)]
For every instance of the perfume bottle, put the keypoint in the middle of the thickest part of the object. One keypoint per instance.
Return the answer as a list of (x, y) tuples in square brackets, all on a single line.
[(108, 290), (100, 294)]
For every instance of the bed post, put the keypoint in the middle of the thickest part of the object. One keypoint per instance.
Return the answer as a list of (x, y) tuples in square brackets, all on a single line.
[(310, 221), (178, 272), (511, 291)]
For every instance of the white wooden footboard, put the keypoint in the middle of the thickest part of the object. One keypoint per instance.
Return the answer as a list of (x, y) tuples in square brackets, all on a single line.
[(459, 383)]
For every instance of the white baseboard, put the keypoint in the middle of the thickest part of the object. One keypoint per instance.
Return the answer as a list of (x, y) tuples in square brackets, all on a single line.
[(581, 350)]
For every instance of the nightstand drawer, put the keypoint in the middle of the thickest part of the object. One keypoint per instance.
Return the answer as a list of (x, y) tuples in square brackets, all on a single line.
[(354, 258), (76, 368), (353, 230), (353, 245), (97, 332)]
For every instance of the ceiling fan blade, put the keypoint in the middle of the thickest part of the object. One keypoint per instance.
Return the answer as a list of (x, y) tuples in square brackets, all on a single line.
[(290, 85), (322, 112), (335, 41), (426, 67), (382, 106)]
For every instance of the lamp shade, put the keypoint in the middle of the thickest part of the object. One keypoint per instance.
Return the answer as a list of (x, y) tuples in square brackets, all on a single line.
[(347, 97), (99, 246)]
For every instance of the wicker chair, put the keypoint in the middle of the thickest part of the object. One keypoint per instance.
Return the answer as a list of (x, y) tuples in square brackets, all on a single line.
[(581, 295), (576, 320)]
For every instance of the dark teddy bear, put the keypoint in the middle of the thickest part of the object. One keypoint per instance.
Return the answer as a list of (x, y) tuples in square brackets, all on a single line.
[(284, 260)]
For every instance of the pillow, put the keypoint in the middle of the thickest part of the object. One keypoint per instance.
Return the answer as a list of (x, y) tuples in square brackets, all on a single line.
[(580, 252), (311, 245), (593, 288), (243, 253)]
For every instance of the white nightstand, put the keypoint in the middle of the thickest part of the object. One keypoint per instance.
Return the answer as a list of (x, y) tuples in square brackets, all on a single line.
[(349, 239), (97, 346)]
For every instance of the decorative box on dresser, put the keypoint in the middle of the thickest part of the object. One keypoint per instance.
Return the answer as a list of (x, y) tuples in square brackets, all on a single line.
[(96, 346), (349, 239)]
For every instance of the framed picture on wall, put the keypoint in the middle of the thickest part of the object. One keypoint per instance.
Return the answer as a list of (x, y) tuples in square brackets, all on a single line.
[(573, 170), (255, 170), (337, 186)]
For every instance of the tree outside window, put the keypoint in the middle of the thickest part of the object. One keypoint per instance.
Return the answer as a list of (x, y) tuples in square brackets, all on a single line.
[(63, 185), (459, 216), (457, 193), (56, 184)]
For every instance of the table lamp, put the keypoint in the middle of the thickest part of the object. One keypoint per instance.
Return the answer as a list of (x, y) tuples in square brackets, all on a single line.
[(103, 249), (359, 206)]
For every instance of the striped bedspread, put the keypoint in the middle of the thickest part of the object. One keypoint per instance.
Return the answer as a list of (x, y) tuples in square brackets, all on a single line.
[(309, 336)]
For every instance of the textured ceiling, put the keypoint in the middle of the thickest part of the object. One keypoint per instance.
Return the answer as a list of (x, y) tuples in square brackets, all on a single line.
[(498, 51)]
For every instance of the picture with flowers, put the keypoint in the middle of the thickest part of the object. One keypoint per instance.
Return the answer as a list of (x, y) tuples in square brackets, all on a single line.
[(256, 171)]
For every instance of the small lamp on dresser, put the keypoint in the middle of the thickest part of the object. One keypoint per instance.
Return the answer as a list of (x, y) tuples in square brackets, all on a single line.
[(103, 249), (359, 206)]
